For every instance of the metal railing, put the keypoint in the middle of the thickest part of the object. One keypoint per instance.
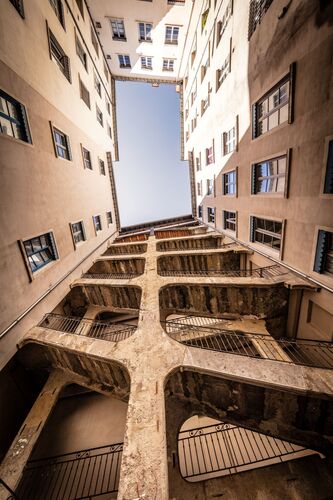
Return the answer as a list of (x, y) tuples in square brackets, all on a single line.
[(222, 449), (113, 332), (83, 474), (261, 272), (124, 250), (110, 276), (258, 9), (299, 352), (209, 245)]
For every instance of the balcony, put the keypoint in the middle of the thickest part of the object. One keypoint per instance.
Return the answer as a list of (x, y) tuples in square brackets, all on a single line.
[(210, 242), (116, 269), (126, 249)]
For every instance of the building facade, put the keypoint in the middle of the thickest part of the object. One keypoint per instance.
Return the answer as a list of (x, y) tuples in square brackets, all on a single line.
[(189, 358)]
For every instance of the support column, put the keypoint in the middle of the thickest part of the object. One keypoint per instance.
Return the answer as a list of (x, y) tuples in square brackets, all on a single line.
[(144, 469), (18, 454)]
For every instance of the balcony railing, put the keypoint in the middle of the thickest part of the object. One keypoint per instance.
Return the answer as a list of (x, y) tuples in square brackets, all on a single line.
[(299, 352), (207, 245), (83, 474), (222, 449), (261, 272), (102, 330), (110, 276)]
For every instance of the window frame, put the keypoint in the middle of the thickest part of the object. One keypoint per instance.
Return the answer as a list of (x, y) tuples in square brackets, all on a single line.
[(146, 62), (58, 9), (109, 218), (323, 246), (171, 39), (23, 123), (67, 148), (84, 89), (210, 157), (116, 31), (226, 183), (94, 39), (61, 59), (99, 116), (226, 141), (167, 62), (94, 217), (86, 161), (124, 65), (327, 170), (226, 221), (83, 232), (146, 36), (101, 164), (254, 179), (211, 214), (80, 51), (210, 187), (19, 7), (271, 249), (34, 273)]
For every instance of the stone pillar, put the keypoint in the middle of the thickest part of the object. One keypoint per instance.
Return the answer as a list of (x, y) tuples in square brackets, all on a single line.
[(144, 469), (18, 454)]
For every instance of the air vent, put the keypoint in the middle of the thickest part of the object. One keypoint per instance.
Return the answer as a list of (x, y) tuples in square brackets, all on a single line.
[(108, 56), (98, 25)]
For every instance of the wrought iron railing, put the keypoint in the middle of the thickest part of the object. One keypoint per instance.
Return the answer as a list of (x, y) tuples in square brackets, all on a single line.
[(261, 272), (126, 250), (258, 9), (222, 449), (83, 474), (299, 352), (103, 330), (110, 276), (208, 245)]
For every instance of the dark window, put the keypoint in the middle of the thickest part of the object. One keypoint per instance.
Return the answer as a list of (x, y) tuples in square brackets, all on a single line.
[(94, 40), (229, 220), (61, 144), (84, 94), (99, 116), (109, 218), (102, 167), (13, 118), (265, 231), (200, 211), (86, 158), (324, 253), (59, 11), (97, 85), (258, 9), (211, 214), (79, 3), (124, 61), (110, 131), (204, 18), (118, 29), (328, 186), (198, 163), (59, 56), (106, 71), (210, 186), (269, 176), (18, 4), (223, 23), (108, 107), (229, 182), (145, 32), (171, 35), (209, 155), (40, 251), (273, 109), (78, 232), (81, 52), (97, 223)]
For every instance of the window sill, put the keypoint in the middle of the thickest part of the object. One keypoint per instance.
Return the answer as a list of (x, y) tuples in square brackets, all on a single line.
[(143, 40), (15, 140), (117, 39)]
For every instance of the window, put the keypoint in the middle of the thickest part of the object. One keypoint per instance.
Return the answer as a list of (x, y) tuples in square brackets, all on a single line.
[(229, 141), (204, 105), (61, 144), (39, 251), (78, 232), (97, 85), (221, 74), (86, 158), (146, 62), (118, 29), (101, 167), (186, 112), (205, 67), (210, 186), (229, 182), (79, 3), (328, 185), (223, 23), (204, 18), (324, 253), (209, 155), (199, 188), (81, 53), (18, 4), (94, 40), (229, 220), (171, 35), (168, 64), (59, 56), (267, 232), (110, 131), (194, 123), (198, 163), (59, 11), (269, 176), (194, 50), (124, 61), (108, 107), (210, 214), (84, 94), (13, 118), (200, 211), (273, 109), (257, 12), (194, 92), (108, 218), (187, 135), (97, 223), (99, 115), (106, 70), (145, 32)]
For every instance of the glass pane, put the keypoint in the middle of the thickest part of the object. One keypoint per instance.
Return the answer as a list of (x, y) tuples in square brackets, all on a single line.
[(6, 127), (44, 241), (13, 111), (282, 165), (284, 93), (284, 114), (18, 131), (273, 120), (3, 105), (36, 244)]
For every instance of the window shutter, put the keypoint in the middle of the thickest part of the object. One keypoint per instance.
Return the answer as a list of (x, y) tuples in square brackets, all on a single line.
[(25, 124), (291, 92), (62, 16), (253, 179), (224, 139), (320, 251), (328, 187), (67, 69), (254, 121), (69, 148), (251, 229), (223, 183), (54, 248)]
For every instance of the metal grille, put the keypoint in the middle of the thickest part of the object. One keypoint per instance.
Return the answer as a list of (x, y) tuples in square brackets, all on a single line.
[(298, 352), (228, 449), (84, 474), (124, 250), (258, 8), (110, 276), (262, 272), (97, 329)]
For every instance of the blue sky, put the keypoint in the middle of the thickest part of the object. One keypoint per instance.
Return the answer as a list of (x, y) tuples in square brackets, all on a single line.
[(152, 182)]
